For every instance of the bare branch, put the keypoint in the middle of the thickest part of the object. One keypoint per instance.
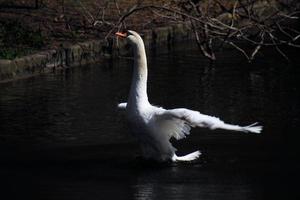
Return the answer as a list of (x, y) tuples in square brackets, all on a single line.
[(232, 21), (239, 49)]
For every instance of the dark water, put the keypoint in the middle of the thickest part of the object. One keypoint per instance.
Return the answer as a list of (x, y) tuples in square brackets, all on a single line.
[(61, 136)]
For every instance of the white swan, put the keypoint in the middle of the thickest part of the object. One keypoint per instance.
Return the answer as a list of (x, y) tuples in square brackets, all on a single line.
[(154, 126)]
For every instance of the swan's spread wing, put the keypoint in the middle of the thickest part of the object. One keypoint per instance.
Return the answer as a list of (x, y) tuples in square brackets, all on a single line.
[(178, 122)]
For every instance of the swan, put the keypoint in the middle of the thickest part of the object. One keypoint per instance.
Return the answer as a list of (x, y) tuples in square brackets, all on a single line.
[(154, 126)]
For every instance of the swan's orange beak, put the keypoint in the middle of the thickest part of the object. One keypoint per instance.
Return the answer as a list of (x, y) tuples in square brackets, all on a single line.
[(121, 35)]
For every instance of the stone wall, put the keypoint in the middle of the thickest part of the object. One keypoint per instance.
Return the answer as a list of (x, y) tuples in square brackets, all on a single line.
[(83, 53)]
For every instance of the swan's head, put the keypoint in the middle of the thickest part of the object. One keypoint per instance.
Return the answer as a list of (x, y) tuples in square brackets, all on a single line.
[(131, 36)]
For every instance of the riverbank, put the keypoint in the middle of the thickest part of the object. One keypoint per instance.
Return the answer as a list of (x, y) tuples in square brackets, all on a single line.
[(51, 35), (54, 35), (84, 53)]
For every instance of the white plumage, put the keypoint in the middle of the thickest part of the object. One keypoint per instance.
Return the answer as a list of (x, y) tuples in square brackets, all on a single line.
[(154, 126)]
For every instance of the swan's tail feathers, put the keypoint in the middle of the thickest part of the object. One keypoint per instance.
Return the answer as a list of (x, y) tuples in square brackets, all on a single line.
[(253, 128), (186, 158)]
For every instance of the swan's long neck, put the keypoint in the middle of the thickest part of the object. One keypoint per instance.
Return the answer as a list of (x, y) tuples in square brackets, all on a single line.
[(138, 91)]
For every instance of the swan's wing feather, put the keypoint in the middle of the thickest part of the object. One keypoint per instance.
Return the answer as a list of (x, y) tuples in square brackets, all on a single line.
[(122, 105), (172, 127), (191, 117), (178, 122)]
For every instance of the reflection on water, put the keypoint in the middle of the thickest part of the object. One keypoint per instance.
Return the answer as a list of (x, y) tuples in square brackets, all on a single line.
[(61, 136), (195, 183)]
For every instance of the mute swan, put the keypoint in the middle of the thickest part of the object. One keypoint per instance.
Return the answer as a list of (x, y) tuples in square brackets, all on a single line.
[(154, 126)]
